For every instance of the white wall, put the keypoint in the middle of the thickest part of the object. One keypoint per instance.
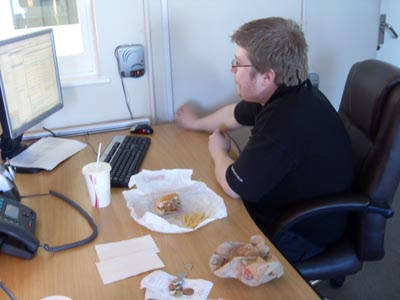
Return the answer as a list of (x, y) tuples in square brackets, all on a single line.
[(197, 34), (118, 22), (201, 50), (339, 33)]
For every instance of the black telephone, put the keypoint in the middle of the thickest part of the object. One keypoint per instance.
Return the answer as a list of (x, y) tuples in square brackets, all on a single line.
[(18, 222), (17, 229)]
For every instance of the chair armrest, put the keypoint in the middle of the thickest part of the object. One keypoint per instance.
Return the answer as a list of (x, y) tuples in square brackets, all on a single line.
[(317, 206), (381, 208)]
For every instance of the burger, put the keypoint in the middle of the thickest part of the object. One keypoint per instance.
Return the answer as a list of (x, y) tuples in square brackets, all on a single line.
[(168, 204)]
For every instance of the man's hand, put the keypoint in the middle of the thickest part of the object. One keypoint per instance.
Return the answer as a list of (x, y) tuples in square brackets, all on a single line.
[(222, 118), (186, 117), (219, 145)]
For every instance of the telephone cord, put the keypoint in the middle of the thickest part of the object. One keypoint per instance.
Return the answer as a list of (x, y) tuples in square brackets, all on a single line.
[(81, 211)]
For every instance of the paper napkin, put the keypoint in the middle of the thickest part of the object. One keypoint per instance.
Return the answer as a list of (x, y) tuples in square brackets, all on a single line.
[(127, 258)]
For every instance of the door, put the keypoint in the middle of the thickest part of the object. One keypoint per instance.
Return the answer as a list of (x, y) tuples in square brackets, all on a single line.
[(389, 51)]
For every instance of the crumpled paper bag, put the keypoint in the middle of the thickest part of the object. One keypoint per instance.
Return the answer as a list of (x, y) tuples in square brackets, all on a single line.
[(195, 197), (251, 263)]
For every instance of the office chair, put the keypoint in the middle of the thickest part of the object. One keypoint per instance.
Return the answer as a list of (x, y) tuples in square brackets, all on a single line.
[(370, 110)]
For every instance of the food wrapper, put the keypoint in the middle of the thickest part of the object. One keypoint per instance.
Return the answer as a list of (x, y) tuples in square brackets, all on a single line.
[(156, 285), (251, 263), (196, 198)]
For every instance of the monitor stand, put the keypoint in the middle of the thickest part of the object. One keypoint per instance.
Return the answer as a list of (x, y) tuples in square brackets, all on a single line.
[(12, 147)]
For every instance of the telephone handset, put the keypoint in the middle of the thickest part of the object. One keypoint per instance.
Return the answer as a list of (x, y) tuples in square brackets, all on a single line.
[(18, 222)]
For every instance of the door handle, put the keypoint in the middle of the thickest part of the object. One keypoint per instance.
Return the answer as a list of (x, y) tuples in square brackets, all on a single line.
[(391, 29), (383, 25)]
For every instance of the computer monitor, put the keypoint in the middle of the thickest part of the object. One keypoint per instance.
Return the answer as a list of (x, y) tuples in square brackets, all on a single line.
[(30, 88)]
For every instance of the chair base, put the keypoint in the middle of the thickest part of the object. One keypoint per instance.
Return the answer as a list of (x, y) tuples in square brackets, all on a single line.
[(337, 282)]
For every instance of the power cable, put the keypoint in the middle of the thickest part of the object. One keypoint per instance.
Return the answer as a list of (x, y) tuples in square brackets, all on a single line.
[(122, 83)]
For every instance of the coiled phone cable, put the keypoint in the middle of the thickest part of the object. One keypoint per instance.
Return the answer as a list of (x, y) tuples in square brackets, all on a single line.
[(7, 291), (82, 212)]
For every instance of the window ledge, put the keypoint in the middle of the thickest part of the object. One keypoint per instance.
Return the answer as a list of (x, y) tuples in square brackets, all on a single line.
[(83, 81)]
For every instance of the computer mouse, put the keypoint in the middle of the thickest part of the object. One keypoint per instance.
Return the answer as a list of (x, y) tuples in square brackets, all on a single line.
[(142, 129)]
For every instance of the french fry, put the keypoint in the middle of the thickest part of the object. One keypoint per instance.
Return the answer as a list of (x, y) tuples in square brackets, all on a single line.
[(192, 220)]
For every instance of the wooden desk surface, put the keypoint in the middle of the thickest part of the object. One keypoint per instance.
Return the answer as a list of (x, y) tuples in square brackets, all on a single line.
[(73, 272)]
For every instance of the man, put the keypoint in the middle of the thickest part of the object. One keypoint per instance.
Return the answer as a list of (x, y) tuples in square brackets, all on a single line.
[(298, 148)]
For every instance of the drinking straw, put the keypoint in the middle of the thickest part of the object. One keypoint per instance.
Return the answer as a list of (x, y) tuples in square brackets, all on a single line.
[(98, 156)]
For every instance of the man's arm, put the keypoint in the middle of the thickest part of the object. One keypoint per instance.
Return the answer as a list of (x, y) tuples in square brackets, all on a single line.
[(219, 146), (223, 119)]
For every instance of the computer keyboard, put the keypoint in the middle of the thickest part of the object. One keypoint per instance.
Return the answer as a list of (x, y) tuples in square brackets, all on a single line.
[(125, 155)]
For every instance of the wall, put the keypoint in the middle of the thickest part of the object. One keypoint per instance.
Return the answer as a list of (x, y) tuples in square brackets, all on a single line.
[(188, 45), (339, 33), (201, 50), (119, 23)]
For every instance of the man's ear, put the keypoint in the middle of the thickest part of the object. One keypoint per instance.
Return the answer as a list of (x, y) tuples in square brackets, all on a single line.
[(269, 76)]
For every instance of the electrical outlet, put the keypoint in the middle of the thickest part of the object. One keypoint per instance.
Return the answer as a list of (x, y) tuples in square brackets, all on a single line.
[(130, 60)]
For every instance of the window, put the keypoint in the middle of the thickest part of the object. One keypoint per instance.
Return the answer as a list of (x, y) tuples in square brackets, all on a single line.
[(40, 13), (73, 25)]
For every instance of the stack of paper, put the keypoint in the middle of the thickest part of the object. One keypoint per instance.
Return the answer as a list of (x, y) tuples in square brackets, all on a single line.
[(47, 153), (127, 258)]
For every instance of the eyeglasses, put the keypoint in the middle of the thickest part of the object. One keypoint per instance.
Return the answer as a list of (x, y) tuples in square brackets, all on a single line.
[(235, 64)]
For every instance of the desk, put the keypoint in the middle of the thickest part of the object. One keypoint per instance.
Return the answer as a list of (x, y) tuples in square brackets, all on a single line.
[(73, 272)]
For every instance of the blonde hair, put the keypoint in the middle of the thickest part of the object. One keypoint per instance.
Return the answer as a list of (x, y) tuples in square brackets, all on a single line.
[(278, 44)]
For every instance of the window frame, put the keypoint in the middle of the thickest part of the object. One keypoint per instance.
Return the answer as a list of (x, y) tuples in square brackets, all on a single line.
[(71, 67)]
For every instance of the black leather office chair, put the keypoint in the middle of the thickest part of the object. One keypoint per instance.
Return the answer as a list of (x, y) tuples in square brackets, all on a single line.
[(370, 109)]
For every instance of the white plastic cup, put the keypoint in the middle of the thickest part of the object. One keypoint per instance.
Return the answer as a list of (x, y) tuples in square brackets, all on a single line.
[(97, 177)]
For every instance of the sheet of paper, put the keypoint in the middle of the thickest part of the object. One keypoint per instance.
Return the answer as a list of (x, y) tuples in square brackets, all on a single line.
[(128, 265), (123, 259), (47, 153), (112, 250)]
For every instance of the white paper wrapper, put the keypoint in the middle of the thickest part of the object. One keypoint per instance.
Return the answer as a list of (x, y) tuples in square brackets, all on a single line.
[(156, 285), (195, 197)]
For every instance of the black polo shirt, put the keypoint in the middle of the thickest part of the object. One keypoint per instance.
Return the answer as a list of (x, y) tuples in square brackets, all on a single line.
[(298, 149)]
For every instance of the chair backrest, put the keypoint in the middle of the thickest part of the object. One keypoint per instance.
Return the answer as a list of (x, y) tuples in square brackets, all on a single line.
[(370, 109)]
